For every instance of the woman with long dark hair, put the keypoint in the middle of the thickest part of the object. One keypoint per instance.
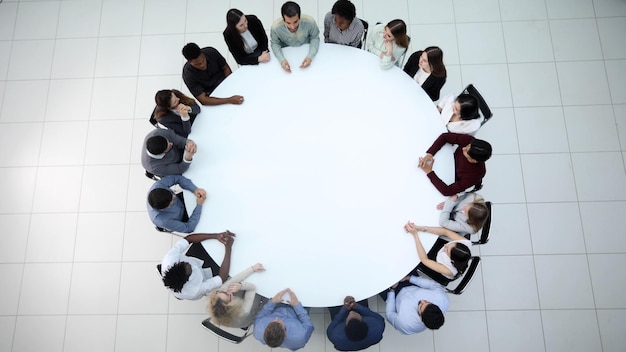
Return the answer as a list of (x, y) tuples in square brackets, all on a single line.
[(175, 111), (246, 38), (427, 68), (389, 42), (460, 115)]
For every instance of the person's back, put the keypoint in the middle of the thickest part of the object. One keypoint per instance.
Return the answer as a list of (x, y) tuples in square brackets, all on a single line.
[(162, 153), (354, 326)]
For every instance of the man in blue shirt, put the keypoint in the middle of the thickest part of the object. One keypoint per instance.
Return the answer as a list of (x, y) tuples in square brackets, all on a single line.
[(354, 326), (167, 211), (285, 324)]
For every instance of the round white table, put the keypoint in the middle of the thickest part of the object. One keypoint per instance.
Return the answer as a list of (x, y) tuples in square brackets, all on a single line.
[(317, 173)]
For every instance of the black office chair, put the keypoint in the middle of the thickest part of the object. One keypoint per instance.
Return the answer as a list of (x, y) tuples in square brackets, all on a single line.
[(364, 38), (152, 176), (484, 232), (226, 335), (482, 104)]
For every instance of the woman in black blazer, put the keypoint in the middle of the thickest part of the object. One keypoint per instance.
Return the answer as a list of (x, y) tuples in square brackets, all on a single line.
[(174, 111), (427, 67), (246, 38)]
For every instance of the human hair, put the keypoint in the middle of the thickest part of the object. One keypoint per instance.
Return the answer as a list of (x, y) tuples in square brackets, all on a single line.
[(224, 313), (435, 60), (163, 98), (176, 276), (477, 214), (480, 150), (469, 106), (432, 317), (156, 145), (398, 29), (460, 255), (274, 334), (191, 51), (345, 9), (356, 330), (290, 9), (159, 198)]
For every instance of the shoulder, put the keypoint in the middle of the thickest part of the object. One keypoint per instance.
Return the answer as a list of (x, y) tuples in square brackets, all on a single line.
[(277, 24), (306, 19)]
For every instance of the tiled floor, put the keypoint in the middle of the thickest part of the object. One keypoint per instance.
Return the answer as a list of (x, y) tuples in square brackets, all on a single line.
[(77, 80)]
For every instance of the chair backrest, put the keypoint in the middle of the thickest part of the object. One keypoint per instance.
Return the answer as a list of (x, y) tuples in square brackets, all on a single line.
[(484, 232), (432, 254), (364, 37), (467, 277), (221, 333), (482, 104)]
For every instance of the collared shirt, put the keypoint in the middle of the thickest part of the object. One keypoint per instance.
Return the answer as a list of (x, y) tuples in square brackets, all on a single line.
[(169, 163), (307, 32), (336, 331), (297, 323), (170, 218), (201, 281), (351, 36), (402, 310)]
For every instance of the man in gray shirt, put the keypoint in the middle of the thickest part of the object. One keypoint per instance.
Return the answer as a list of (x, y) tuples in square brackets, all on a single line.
[(294, 30), (166, 153), (341, 26)]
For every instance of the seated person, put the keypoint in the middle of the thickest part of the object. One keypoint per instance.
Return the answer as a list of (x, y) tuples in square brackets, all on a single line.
[(464, 215), (389, 42), (354, 326), (469, 162), (192, 278), (294, 29), (284, 325), (166, 153), (235, 304), (246, 38), (416, 303), (167, 210), (204, 70), (461, 114), (341, 26), (174, 111), (427, 68), (452, 259)]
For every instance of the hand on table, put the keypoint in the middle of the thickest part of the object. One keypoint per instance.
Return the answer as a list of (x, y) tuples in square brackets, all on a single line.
[(264, 57), (236, 99), (279, 296), (306, 62), (294, 299), (426, 163), (410, 228), (258, 267), (349, 303), (285, 66), (440, 205), (200, 195)]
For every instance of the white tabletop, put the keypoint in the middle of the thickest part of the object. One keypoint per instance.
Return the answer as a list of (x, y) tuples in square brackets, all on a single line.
[(316, 173)]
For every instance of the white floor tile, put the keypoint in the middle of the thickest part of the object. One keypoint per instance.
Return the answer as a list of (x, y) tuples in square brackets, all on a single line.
[(492, 81), (74, 58), (7, 330), (595, 134), (5, 55), (31, 25), (58, 189), (19, 188), (167, 48), (12, 276), (609, 185), (185, 333), (541, 130), (104, 188), (108, 142), (94, 288), (24, 65), (142, 242), (616, 73), (598, 220), (534, 84), (141, 333), (505, 239), (264, 10), (49, 338), (395, 341), (476, 11), (45, 288), (15, 226), (608, 283), (570, 330), (481, 43), (547, 232), (580, 86), (509, 283), (205, 16), (454, 83), (121, 91), (95, 333), (141, 289), (51, 238), (99, 237), (609, 8), (512, 10), (515, 34), (118, 56), (157, 17), (550, 269), (611, 332), (63, 143), (548, 178), (515, 331), (459, 329), (620, 119), (121, 17), (138, 185), (177, 306), (58, 107), (504, 167), (610, 29), (18, 105), (8, 16), (318, 340), (501, 131), (568, 36), (25, 138), (473, 298), (439, 12), (441, 35), (148, 86), (79, 19), (569, 8)]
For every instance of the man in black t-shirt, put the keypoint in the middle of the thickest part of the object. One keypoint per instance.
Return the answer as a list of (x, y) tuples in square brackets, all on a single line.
[(204, 70)]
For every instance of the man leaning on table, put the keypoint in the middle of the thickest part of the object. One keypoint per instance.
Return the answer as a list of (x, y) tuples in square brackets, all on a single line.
[(167, 209), (166, 153), (286, 325), (294, 29)]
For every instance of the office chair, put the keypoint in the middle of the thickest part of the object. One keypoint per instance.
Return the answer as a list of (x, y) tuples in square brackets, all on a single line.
[(364, 38), (228, 336), (482, 104)]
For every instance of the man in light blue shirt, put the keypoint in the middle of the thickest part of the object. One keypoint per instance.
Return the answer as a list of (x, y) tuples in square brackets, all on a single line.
[(286, 325), (167, 210), (293, 29), (414, 306)]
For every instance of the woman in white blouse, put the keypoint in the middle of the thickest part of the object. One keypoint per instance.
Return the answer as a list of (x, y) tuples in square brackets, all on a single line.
[(389, 42), (460, 115)]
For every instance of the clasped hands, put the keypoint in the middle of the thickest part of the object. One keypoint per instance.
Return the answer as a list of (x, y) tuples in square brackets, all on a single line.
[(293, 299), (426, 163)]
